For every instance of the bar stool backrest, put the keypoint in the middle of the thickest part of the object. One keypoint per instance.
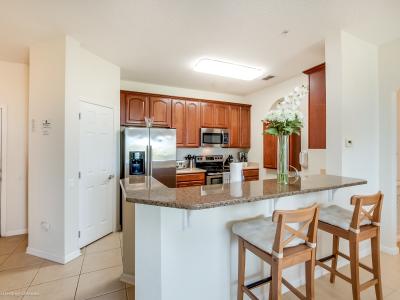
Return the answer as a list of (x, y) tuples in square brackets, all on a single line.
[(372, 212), (308, 217)]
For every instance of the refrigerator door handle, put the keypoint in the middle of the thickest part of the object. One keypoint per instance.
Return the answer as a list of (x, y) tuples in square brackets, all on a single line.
[(151, 161), (147, 161)]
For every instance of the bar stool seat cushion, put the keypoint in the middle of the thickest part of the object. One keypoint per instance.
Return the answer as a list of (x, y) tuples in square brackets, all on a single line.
[(261, 233), (338, 216)]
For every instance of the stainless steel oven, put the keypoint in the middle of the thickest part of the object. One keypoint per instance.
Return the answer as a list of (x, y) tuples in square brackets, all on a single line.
[(213, 137), (215, 178)]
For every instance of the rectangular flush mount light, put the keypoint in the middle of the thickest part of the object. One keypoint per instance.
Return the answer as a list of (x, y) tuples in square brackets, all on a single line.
[(227, 69)]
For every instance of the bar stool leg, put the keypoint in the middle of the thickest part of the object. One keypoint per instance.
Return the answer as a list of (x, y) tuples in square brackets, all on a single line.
[(310, 267), (335, 251), (376, 265), (354, 263), (241, 268), (276, 283)]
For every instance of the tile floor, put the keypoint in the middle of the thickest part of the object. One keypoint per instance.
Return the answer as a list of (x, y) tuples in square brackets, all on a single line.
[(93, 275)]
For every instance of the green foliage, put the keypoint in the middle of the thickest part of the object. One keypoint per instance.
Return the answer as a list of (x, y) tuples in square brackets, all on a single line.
[(287, 127)]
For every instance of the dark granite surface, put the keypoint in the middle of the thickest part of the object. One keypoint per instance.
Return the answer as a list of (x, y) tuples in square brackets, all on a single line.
[(149, 191)]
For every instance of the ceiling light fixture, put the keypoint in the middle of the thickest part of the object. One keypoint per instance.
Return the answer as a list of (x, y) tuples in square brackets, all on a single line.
[(227, 69)]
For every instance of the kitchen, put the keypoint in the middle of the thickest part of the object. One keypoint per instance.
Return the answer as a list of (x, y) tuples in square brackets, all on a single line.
[(205, 131)]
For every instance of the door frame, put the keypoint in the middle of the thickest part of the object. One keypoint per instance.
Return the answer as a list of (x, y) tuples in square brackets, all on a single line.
[(115, 166), (3, 217)]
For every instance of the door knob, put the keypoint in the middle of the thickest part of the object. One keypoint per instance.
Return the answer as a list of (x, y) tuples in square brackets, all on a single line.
[(111, 176)]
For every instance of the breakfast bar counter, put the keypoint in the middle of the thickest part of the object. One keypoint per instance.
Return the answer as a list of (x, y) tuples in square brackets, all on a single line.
[(178, 244)]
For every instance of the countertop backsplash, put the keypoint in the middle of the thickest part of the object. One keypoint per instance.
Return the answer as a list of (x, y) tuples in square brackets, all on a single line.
[(182, 152)]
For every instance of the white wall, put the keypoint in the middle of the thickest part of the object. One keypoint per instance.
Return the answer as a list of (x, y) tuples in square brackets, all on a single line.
[(262, 102), (352, 109), (177, 91), (61, 74), (389, 85), (353, 113), (14, 96)]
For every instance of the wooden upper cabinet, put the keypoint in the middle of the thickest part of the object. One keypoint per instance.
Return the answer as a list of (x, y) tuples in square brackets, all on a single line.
[(234, 121), (122, 108), (245, 126), (160, 111), (316, 107), (192, 124), (207, 115), (137, 108), (178, 121), (221, 115)]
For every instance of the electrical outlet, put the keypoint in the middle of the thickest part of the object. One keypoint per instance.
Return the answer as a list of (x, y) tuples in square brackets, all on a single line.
[(45, 226)]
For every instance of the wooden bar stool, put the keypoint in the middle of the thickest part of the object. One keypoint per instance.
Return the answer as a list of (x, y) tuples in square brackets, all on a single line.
[(281, 246), (357, 226)]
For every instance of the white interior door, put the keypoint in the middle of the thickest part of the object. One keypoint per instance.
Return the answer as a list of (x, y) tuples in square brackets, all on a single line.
[(96, 172)]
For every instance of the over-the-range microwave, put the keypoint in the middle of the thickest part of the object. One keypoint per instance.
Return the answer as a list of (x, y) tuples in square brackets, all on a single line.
[(213, 137)]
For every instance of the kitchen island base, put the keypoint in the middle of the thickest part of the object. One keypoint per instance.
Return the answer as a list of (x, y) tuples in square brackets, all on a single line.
[(192, 254)]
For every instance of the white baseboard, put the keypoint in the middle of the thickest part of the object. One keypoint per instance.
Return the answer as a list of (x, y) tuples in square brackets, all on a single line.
[(390, 250), (16, 232), (52, 257), (128, 278)]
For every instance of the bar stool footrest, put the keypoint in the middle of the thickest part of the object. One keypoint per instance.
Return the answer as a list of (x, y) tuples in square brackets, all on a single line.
[(329, 269), (258, 283), (365, 267)]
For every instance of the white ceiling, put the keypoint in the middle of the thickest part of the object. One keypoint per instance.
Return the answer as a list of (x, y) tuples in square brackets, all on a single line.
[(157, 41)]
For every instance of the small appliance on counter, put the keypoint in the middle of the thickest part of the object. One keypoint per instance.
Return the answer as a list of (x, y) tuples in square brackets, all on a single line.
[(181, 164), (190, 161), (242, 156)]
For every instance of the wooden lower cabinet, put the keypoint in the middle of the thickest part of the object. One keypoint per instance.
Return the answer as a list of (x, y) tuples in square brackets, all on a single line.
[(191, 179), (251, 174)]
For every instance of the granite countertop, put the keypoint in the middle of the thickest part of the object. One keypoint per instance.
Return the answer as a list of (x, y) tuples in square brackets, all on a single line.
[(152, 192), (190, 171)]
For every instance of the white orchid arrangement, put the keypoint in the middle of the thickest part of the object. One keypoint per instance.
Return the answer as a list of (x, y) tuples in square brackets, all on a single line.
[(287, 119)]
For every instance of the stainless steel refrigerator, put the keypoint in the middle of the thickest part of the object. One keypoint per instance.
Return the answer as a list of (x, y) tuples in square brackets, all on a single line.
[(150, 152)]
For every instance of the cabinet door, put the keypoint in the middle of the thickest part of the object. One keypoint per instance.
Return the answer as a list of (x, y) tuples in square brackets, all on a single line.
[(160, 111), (207, 115), (192, 124), (234, 126), (178, 121), (221, 115), (316, 107), (137, 108), (270, 144), (122, 108), (245, 127)]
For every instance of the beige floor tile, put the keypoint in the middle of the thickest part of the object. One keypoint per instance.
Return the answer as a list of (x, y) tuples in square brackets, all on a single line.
[(13, 295), (17, 260), (110, 241), (101, 260), (99, 283), (393, 296), (63, 289), (8, 245), (120, 295), (17, 278), (21, 247), (3, 258), (130, 293), (50, 271)]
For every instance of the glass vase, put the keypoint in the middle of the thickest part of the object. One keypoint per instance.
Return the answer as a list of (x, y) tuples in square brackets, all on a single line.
[(283, 159)]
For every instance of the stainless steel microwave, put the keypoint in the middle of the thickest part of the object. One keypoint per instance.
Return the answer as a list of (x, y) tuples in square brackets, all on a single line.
[(213, 137)]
